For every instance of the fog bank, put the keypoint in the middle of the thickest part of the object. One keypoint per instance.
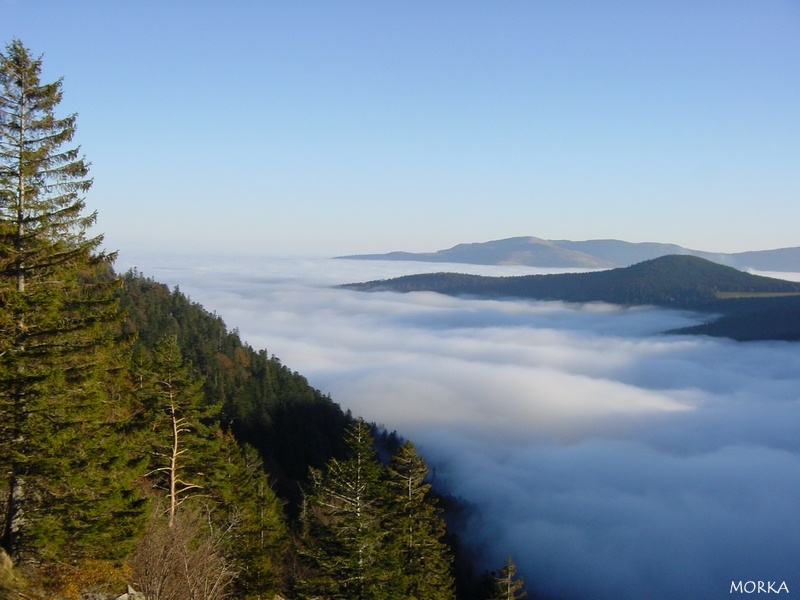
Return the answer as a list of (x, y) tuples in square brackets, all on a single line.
[(611, 460)]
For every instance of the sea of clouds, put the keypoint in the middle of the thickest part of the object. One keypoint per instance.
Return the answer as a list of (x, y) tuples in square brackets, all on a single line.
[(610, 460)]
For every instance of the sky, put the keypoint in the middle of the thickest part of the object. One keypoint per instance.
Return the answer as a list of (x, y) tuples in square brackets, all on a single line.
[(325, 128), (613, 462)]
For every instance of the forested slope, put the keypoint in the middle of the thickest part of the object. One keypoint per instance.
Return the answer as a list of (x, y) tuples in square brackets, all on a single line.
[(756, 307), (754, 319), (266, 404), (676, 281)]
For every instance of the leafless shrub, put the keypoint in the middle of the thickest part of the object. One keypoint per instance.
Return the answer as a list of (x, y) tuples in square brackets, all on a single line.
[(183, 561)]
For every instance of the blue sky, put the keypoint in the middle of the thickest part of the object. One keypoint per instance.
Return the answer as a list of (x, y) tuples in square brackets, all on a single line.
[(323, 128)]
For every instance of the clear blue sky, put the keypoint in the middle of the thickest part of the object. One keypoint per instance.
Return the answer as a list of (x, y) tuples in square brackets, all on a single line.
[(340, 127)]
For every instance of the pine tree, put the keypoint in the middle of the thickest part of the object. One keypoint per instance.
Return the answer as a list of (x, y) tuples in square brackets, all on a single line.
[(58, 318), (344, 527), (417, 528), (248, 508), (507, 586)]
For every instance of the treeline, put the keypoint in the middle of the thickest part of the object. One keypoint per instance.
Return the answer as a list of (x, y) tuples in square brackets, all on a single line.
[(677, 281), (262, 402), (143, 443), (756, 307), (751, 319)]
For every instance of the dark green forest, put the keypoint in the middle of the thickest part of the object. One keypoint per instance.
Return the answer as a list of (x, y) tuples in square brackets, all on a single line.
[(144, 444), (741, 306)]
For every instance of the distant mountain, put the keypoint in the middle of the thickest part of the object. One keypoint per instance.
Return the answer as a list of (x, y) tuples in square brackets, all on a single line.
[(530, 251), (755, 307), (624, 254), (590, 254)]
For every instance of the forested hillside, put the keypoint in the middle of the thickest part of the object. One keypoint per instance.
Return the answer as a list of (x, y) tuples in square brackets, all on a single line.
[(264, 403), (751, 319), (755, 307), (144, 444), (676, 281)]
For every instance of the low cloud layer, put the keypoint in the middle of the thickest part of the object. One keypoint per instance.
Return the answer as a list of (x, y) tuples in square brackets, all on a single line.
[(610, 460)]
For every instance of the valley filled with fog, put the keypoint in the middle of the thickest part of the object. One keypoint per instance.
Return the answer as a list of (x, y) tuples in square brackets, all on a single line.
[(611, 460)]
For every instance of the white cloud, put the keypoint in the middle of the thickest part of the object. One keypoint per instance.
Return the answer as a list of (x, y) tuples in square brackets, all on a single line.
[(612, 461)]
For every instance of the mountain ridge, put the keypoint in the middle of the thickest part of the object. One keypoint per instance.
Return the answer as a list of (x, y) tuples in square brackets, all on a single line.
[(751, 306), (592, 254)]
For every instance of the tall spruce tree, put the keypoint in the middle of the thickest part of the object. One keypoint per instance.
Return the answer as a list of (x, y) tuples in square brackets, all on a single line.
[(58, 319), (417, 528), (252, 515), (345, 520)]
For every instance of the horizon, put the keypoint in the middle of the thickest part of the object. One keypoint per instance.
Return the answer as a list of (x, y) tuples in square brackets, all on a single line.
[(600, 239), (140, 248), (305, 128)]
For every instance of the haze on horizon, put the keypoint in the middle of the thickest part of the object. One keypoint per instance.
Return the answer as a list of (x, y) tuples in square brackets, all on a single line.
[(313, 128)]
